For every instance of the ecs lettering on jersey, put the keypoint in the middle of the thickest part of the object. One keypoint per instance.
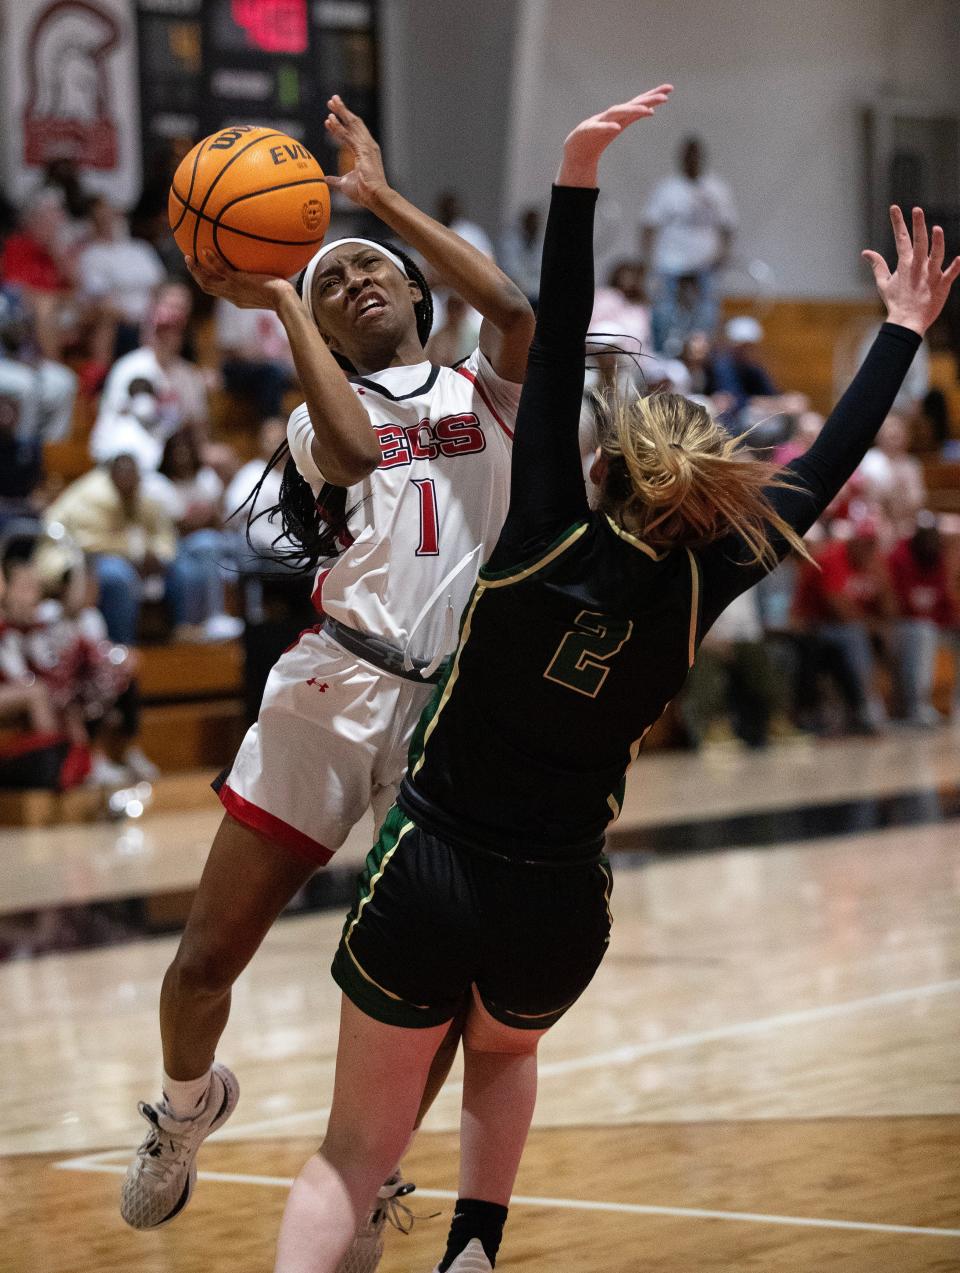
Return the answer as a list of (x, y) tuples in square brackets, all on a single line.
[(433, 508)]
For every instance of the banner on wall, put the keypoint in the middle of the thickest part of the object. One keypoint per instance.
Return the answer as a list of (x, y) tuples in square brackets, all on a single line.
[(70, 90)]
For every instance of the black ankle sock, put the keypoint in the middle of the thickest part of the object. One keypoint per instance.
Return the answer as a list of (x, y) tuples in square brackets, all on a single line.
[(474, 1219)]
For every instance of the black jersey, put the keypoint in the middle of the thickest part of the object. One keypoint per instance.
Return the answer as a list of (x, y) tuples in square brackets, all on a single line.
[(578, 634)]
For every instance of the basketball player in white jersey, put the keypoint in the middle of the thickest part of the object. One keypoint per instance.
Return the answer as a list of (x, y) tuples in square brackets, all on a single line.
[(423, 456)]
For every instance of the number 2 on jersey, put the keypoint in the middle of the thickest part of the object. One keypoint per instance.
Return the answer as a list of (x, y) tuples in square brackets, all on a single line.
[(429, 518), (583, 655)]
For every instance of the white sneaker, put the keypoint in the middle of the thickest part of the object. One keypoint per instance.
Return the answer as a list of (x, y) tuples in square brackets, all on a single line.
[(104, 773), (472, 1259), (141, 767), (160, 1180), (364, 1255)]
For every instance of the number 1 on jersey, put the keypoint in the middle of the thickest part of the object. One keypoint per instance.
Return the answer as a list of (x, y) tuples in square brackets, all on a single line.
[(429, 518), (582, 657)]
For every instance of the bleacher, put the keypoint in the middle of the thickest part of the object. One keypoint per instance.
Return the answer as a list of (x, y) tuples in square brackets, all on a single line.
[(193, 706)]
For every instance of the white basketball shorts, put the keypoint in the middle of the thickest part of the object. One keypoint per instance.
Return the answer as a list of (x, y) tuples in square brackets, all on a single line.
[(330, 741)]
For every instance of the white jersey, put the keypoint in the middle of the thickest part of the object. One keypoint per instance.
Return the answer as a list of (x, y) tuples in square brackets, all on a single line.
[(430, 514)]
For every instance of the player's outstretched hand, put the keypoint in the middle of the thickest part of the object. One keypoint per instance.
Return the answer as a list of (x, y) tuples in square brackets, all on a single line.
[(248, 291), (588, 141), (917, 290), (366, 181)]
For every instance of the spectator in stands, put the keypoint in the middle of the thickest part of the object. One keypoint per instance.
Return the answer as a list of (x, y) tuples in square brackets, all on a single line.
[(127, 533), (687, 230), (118, 276), (674, 324), (456, 338), (521, 247), (806, 430), (620, 309), (732, 675), (697, 357), (22, 696), (136, 429), (737, 369), (263, 532), (40, 754), (256, 359), (842, 608), (36, 401), (192, 495), (86, 668), (450, 213), (65, 645), (179, 386), (36, 260), (62, 177), (42, 392), (892, 478), (927, 608)]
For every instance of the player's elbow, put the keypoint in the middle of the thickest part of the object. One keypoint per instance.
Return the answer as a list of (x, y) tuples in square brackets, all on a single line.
[(353, 461)]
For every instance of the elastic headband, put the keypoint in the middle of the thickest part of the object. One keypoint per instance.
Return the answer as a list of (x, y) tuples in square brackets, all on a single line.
[(318, 256)]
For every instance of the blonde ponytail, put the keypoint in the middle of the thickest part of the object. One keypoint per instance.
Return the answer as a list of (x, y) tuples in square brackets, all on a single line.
[(676, 477)]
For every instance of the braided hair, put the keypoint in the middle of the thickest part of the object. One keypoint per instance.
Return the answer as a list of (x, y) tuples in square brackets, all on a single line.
[(313, 529)]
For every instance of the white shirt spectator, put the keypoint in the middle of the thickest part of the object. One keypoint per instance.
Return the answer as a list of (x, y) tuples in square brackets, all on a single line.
[(180, 389), (263, 531), (181, 497), (689, 215), (626, 323), (43, 396), (125, 271), (474, 234), (254, 334)]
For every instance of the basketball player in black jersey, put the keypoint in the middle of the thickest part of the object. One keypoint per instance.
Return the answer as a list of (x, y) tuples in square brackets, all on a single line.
[(488, 878)]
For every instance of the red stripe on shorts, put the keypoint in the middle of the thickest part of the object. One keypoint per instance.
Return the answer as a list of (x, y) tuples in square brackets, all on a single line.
[(275, 829), (462, 371)]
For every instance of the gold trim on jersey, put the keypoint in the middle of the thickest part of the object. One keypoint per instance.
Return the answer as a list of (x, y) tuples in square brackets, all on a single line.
[(534, 1016), (423, 1007), (612, 802), (478, 592), (632, 539), (500, 580), (407, 826), (694, 607), (607, 890)]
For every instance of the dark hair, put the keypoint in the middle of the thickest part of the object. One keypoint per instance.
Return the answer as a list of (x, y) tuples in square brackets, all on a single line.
[(182, 437), (312, 528), (315, 527)]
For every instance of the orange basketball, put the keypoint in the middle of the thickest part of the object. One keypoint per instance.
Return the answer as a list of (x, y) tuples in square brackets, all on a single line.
[(254, 195)]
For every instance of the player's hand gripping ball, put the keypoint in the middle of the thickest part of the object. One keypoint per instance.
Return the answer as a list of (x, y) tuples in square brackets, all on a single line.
[(255, 196)]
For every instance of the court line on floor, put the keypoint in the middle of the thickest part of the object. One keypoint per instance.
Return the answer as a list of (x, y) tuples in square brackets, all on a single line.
[(637, 1051), (633, 1052), (94, 1164)]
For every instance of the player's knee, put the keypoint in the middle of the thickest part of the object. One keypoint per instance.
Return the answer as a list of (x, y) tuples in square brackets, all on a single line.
[(203, 969)]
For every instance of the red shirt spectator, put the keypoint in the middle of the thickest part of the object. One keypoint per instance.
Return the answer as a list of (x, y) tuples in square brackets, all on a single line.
[(29, 264), (919, 576), (848, 584)]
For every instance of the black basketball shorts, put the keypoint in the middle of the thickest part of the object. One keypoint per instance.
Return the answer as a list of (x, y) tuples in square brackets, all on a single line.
[(431, 920)]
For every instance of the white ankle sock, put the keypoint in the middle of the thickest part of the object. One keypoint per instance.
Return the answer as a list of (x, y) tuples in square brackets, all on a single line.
[(185, 1099)]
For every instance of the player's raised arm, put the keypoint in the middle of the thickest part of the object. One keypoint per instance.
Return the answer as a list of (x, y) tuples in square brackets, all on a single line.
[(345, 448), (507, 317), (914, 295), (546, 475)]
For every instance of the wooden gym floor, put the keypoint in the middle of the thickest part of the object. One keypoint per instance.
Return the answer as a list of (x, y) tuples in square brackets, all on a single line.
[(765, 1074)]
